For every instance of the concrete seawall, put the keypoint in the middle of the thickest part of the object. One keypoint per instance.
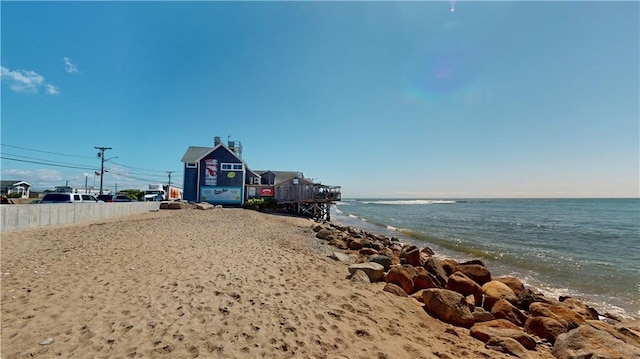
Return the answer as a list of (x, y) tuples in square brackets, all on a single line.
[(23, 216)]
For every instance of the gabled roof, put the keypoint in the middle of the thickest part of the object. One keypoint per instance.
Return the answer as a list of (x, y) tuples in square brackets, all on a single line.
[(282, 176), (195, 154), (253, 172), (11, 183)]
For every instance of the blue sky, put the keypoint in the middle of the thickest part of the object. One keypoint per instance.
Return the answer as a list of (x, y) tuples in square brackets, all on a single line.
[(386, 99)]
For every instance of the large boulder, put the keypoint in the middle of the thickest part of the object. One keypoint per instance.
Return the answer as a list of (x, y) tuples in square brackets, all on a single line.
[(502, 309), (374, 271), (338, 243), (449, 265), (583, 310), (383, 260), (509, 346), (323, 233), (402, 277), (481, 315), (478, 272), (424, 280), (494, 291), (355, 244), (395, 289), (502, 328), (433, 266), (544, 327), (514, 283), (449, 306), (587, 341), (412, 255), (458, 282), (567, 317)]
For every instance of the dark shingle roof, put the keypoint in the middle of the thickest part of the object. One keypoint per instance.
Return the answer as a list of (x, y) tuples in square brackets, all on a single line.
[(194, 153)]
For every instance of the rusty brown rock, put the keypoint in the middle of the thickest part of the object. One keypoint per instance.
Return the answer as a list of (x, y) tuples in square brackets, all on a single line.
[(567, 317), (502, 328), (411, 254), (338, 243), (514, 283), (355, 244), (448, 306), (583, 310), (368, 251), (589, 341), (502, 309), (402, 277), (478, 272), (462, 284), (395, 289), (509, 346), (494, 291), (544, 327), (323, 233), (424, 280), (449, 265)]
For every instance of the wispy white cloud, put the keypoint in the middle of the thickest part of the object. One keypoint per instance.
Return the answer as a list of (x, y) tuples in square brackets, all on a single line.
[(51, 90), (39, 178), (69, 66), (26, 81)]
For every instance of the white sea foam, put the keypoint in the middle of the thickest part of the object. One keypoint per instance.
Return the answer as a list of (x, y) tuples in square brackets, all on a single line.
[(392, 228), (410, 201)]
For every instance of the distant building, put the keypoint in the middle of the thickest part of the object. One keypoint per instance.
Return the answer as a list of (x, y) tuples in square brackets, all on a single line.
[(219, 175), (20, 187), (214, 174)]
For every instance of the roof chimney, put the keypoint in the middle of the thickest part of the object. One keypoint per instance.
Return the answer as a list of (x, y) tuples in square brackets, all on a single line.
[(216, 141)]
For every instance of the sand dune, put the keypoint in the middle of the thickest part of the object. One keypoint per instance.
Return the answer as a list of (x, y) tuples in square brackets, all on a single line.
[(223, 283)]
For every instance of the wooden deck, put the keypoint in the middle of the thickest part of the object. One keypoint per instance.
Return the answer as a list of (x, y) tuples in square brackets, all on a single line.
[(315, 204)]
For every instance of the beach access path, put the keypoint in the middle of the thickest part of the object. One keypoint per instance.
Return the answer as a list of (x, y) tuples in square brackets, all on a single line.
[(220, 283)]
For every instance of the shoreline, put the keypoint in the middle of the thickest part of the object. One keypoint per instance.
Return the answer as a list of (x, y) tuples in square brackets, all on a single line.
[(543, 281), (192, 283)]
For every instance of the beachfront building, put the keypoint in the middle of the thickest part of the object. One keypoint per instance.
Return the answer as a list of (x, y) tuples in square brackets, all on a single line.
[(215, 174), (218, 175), (15, 188)]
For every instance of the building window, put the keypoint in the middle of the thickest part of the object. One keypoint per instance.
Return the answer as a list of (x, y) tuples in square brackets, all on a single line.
[(231, 167), (256, 180), (192, 165)]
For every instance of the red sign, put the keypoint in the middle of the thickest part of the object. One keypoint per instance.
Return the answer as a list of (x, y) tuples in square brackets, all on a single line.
[(266, 192)]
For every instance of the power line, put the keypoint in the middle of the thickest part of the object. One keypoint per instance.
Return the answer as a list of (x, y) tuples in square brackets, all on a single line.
[(51, 153), (40, 159), (62, 154), (128, 176), (47, 164), (138, 168)]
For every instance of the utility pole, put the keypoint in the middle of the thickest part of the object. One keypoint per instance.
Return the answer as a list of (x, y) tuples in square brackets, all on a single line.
[(101, 155), (168, 194)]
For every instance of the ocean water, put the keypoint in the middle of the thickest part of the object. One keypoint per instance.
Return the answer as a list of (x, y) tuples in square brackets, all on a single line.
[(584, 248)]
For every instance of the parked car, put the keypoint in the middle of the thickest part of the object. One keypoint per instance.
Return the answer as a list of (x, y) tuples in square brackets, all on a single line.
[(122, 198), (68, 198), (114, 198), (106, 197)]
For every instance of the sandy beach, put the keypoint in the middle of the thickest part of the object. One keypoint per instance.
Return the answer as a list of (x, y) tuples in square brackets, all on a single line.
[(222, 283)]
